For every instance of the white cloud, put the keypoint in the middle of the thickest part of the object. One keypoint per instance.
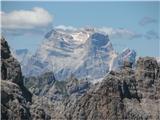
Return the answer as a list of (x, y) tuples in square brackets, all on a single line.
[(119, 33), (26, 19), (63, 27)]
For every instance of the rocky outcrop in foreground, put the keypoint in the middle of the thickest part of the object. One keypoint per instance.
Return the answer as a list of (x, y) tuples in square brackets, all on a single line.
[(125, 94), (14, 96), (16, 100)]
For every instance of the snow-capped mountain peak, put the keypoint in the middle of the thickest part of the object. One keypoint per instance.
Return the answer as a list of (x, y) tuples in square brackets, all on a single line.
[(81, 37)]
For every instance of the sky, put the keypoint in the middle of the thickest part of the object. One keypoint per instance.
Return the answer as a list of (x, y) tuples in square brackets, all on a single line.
[(133, 25)]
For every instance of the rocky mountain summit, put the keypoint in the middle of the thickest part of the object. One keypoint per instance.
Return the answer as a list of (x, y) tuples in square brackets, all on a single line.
[(86, 53)]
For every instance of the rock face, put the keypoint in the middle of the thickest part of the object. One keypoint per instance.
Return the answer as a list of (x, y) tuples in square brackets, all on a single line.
[(15, 96), (16, 100), (126, 94), (147, 68), (47, 86), (56, 96), (10, 67), (41, 84), (13, 103)]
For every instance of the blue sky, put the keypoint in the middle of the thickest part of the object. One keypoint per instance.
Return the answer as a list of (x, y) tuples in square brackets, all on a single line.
[(139, 18)]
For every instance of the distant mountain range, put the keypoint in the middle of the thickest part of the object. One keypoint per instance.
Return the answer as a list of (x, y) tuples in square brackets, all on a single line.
[(87, 53)]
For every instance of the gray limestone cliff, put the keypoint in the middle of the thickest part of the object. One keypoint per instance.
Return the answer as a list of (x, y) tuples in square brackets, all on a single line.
[(16, 100)]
